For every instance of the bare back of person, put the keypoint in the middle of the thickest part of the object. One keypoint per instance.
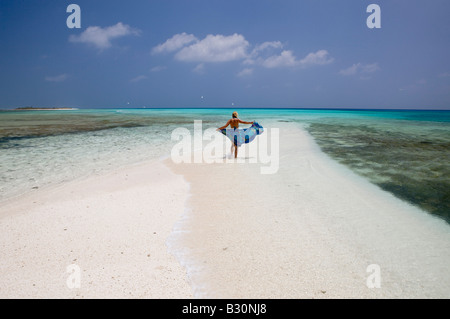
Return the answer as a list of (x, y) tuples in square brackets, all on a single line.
[(234, 123)]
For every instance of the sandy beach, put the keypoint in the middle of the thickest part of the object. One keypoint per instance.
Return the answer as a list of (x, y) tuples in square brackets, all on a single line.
[(224, 230), (312, 230), (113, 227)]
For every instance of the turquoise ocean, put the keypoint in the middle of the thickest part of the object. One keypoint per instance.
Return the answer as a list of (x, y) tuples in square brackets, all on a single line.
[(406, 153)]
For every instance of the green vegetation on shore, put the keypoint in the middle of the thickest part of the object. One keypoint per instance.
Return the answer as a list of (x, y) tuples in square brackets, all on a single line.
[(28, 108)]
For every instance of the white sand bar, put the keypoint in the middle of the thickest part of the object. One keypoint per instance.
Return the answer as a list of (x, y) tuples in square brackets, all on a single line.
[(309, 231), (113, 227)]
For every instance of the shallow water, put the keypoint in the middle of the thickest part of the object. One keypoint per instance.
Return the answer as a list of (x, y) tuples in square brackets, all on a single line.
[(404, 152), (408, 158)]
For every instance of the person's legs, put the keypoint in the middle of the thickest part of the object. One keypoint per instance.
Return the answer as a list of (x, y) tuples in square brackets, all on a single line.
[(235, 151)]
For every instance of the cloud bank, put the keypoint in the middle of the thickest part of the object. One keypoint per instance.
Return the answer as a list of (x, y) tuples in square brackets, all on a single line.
[(222, 48)]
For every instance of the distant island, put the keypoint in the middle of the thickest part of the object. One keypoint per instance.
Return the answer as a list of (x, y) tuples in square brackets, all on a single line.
[(31, 108)]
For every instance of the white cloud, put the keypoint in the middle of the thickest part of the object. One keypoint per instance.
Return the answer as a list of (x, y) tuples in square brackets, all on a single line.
[(215, 48), (245, 72), (286, 58), (370, 68), (351, 70), (138, 78), (158, 68), (57, 78), (101, 37), (320, 57), (221, 48), (200, 69), (174, 43), (360, 68), (266, 45), (264, 48)]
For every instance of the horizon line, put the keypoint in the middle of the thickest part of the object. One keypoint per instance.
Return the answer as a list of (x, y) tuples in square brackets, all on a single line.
[(227, 107)]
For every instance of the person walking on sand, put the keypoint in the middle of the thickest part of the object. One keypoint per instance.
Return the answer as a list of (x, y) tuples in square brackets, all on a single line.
[(240, 136)]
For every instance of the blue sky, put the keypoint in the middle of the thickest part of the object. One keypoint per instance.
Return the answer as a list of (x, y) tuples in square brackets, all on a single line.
[(210, 53)]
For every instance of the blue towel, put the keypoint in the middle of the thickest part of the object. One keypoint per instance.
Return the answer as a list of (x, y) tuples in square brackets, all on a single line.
[(240, 136)]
